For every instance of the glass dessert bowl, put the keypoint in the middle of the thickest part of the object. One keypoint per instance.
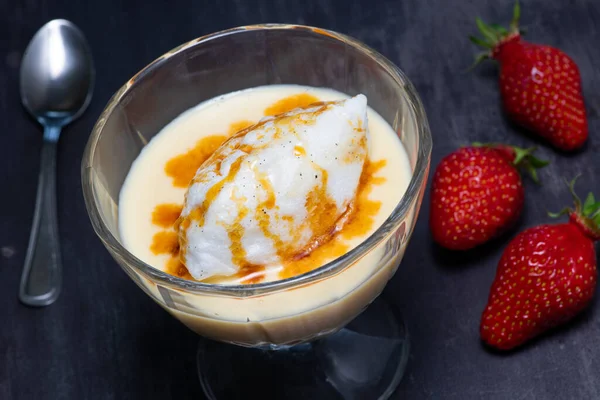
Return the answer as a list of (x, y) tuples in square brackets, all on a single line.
[(303, 325)]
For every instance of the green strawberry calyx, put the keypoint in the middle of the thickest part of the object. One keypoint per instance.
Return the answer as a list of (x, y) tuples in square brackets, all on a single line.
[(521, 158), (494, 34), (586, 215)]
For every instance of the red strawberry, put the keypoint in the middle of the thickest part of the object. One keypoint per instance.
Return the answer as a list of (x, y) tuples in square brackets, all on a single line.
[(477, 193), (546, 276), (540, 85)]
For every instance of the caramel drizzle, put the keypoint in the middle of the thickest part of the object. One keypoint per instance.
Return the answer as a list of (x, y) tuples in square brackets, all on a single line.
[(182, 168), (301, 100), (264, 217), (165, 215)]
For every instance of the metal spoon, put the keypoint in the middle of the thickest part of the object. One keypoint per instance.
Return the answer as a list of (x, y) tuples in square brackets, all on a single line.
[(57, 79)]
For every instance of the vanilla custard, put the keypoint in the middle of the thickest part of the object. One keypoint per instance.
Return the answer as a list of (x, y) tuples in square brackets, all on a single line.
[(261, 185)]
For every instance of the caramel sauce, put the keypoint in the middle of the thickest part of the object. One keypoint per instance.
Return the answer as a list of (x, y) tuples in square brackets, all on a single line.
[(251, 272), (181, 228), (183, 167), (265, 184), (297, 120), (246, 148), (361, 220), (327, 243), (239, 126), (165, 242), (165, 215), (198, 213), (247, 275), (299, 151), (264, 218), (291, 102), (326, 252), (235, 232), (176, 268), (322, 212)]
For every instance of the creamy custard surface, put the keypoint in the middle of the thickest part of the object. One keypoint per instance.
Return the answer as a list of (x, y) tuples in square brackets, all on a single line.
[(153, 194)]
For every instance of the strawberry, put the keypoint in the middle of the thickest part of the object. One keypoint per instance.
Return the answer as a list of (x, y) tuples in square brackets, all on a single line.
[(540, 85), (546, 276), (477, 193)]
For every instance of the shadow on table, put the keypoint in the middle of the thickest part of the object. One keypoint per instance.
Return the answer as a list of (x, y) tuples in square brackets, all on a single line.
[(542, 143), (459, 260)]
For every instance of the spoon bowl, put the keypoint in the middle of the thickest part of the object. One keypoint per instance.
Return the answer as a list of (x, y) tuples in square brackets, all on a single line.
[(56, 81), (57, 73)]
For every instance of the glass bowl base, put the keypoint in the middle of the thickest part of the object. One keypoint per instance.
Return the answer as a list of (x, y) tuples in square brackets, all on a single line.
[(365, 359)]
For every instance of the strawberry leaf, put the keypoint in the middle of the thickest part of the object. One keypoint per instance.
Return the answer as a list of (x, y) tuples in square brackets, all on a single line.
[(591, 207), (480, 42), (514, 23), (520, 155), (478, 60), (596, 218), (532, 173), (589, 204), (594, 209), (536, 162), (493, 34), (586, 217), (487, 31), (576, 198), (559, 214), (499, 29), (525, 159)]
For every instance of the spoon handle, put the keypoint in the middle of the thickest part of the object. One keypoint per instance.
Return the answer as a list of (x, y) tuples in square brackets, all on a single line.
[(41, 280)]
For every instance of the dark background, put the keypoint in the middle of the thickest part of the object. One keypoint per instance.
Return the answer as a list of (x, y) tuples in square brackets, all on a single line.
[(105, 339)]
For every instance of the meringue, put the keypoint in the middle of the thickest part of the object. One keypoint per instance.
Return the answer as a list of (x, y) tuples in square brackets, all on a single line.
[(274, 191)]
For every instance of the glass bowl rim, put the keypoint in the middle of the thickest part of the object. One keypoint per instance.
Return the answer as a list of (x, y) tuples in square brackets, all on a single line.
[(333, 267)]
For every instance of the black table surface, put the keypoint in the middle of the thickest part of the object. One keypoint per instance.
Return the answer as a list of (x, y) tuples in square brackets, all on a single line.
[(105, 339)]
